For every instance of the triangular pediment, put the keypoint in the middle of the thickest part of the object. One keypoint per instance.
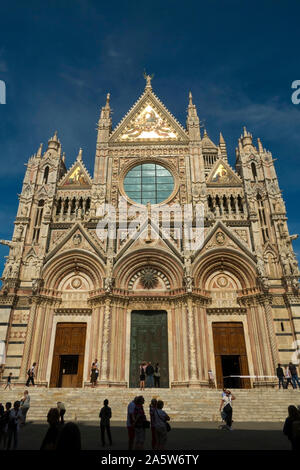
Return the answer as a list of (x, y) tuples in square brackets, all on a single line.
[(151, 236), (222, 175), (76, 178), (220, 236), (76, 238), (147, 121)]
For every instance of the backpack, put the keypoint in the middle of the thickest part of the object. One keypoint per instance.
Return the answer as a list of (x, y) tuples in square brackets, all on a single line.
[(296, 430)]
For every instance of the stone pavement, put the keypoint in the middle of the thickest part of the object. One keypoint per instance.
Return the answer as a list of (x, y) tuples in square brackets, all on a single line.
[(183, 436)]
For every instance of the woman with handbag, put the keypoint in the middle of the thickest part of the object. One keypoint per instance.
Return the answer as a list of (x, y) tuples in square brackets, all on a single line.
[(161, 426)]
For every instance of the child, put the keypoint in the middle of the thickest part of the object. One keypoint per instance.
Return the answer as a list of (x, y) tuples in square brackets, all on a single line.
[(105, 415), (8, 383)]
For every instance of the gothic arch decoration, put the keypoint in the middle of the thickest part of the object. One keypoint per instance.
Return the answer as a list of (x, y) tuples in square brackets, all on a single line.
[(272, 262), (77, 262), (239, 266), (130, 268)]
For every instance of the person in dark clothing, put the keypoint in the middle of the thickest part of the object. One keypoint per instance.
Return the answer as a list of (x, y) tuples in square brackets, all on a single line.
[(4, 424), (280, 375), (292, 423), (149, 374), (14, 420), (294, 374), (157, 375), (31, 375), (105, 415), (50, 440)]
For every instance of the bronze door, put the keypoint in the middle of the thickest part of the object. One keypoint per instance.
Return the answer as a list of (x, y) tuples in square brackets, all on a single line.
[(68, 355), (149, 343), (230, 355)]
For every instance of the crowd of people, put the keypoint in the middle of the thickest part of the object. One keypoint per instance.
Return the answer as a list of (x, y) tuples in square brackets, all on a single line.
[(287, 376), (137, 424), (149, 375)]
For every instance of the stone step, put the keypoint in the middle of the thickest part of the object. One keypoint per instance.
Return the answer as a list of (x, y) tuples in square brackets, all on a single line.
[(181, 405)]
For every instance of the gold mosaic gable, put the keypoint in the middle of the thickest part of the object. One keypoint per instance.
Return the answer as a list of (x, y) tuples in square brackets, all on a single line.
[(76, 178), (222, 175), (148, 124)]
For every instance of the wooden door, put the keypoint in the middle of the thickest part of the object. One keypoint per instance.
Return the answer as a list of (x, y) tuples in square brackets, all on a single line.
[(69, 341), (229, 340)]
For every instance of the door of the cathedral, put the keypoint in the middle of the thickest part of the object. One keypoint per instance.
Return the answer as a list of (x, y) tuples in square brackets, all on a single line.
[(230, 355), (149, 343), (68, 355)]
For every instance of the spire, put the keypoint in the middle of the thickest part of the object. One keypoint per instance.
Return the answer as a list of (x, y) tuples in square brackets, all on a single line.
[(53, 142), (222, 146), (192, 121), (79, 156), (104, 123), (39, 152), (260, 147), (64, 157), (246, 139)]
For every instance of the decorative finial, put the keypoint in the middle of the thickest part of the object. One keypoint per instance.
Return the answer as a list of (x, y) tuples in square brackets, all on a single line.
[(107, 99), (79, 157), (148, 79), (190, 98)]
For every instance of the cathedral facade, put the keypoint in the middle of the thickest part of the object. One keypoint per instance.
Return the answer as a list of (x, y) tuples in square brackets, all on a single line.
[(229, 304)]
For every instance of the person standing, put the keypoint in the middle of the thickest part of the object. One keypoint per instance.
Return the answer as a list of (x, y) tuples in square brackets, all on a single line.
[(288, 377), (4, 424), (291, 427), (226, 408), (142, 376), (31, 374), (130, 423), (105, 415), (139, 420), (51, 437), (157, 375), (152, 409), (97, 369), (280, 375), (8, 383), (93, 375), (295, 378), (61, 410), (161, 419), (14, 420), (25, 405), (149, 374)]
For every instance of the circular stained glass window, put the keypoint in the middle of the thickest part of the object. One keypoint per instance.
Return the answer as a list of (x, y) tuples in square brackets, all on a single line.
[(148, 182)]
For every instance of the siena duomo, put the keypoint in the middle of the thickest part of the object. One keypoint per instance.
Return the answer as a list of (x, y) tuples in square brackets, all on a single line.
[(231, 306)]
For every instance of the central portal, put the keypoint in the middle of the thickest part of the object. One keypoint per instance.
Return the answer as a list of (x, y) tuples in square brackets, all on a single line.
[(149, 343)]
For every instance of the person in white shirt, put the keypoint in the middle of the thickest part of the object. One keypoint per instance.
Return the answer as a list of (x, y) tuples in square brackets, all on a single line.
[(226, 407), (288, 377)]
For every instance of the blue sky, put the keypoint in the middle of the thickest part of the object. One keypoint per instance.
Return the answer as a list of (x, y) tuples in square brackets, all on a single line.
[(59, 59)]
